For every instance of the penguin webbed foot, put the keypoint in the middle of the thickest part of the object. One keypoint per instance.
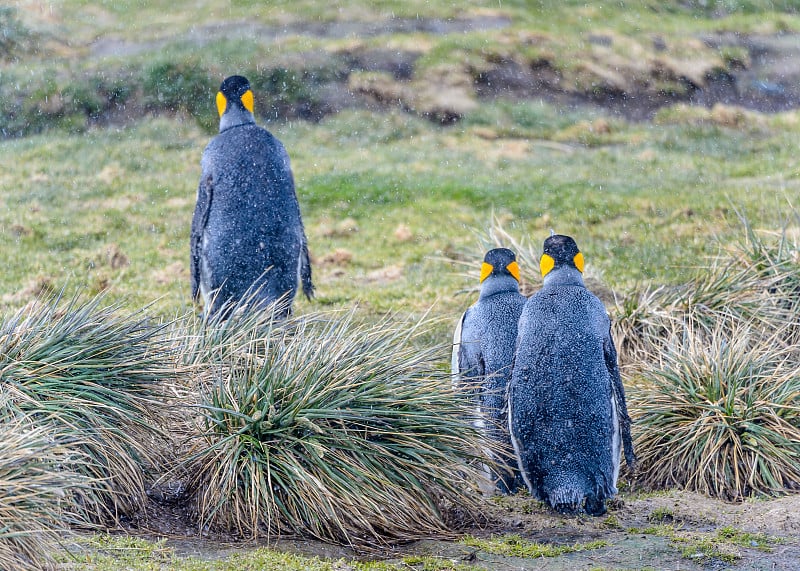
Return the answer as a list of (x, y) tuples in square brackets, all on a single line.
[(570, 509), (595, 506)]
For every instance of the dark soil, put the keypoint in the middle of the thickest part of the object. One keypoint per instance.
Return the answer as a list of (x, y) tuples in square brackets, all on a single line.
[(769, 84), (627, 529)]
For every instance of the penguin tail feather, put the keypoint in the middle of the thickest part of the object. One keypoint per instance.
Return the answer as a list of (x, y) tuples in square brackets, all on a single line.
[(566, 500)]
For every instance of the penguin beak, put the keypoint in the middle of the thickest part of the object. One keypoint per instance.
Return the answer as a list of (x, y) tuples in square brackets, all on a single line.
[(222, 103), (546, 263), (248, 100), (578, 260), (486, 271), (513, 269)]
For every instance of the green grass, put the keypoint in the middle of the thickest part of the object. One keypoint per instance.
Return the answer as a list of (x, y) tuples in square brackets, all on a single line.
[(516, 546), (649, 208), (104, 552), (723, 544)]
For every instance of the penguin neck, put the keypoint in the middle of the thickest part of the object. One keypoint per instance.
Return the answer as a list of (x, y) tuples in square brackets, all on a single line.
[(498, 284), (234, 117), (563, 276)]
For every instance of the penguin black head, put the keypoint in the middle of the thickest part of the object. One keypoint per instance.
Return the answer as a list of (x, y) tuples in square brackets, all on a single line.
[(560, 250), (234, 93), (500, 262)]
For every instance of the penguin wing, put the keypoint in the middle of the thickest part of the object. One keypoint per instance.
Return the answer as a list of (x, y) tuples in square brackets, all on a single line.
[(287, 181), (305, 269), (205, 193), (467, 360), (455, 359), (610, 355)]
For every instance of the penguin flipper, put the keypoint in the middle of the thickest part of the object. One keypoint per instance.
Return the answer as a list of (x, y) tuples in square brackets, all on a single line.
[(467, 362), (305, 270), (455, 359), (199, 221), (610, 354)]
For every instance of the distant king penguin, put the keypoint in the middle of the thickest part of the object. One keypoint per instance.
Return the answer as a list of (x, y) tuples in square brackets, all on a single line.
[(483, 349), (567, 413), (247, 238)]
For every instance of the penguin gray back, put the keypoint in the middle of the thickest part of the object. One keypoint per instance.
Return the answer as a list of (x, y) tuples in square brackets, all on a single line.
[(247, 239), (483, 352), (565, 415)]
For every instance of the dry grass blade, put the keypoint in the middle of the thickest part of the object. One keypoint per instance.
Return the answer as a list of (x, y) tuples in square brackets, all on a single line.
[(323, 427), (498, 236), (90, 374), (33, 486), (755, 283), (719, 414)]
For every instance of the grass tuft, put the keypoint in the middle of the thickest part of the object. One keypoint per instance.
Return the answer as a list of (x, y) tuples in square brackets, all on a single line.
[(325, 427), (33, 485), (89, 375), (718, 414), (753, 283), (515, 546)]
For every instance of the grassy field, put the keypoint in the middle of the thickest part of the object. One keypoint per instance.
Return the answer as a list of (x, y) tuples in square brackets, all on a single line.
[(107, 106), (387, 198)]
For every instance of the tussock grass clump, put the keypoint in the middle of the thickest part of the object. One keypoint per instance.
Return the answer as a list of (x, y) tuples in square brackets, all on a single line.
[(33, 485), (718, 414), (89, 374), (754, 283), (328, 428)]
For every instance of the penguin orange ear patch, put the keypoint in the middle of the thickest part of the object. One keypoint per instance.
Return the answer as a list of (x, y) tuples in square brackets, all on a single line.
[(546, 263), (247, 100), (486, 270), (222, 103), (578, 260), (513, 269)]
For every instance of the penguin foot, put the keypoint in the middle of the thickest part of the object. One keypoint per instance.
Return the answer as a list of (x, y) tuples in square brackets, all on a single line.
[(595, 506), (567, 509)]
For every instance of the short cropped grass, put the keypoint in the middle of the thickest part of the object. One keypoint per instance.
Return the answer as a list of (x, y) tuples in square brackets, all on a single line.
[(516, 546)]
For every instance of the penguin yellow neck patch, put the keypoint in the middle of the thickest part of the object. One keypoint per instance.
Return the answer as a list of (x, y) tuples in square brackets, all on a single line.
[(546, 263), (513, 269), (222, 103), (578, 260), (247, 100), (486, 270)]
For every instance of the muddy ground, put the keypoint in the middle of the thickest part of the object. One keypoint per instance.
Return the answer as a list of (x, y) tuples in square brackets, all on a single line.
[(670, 530)]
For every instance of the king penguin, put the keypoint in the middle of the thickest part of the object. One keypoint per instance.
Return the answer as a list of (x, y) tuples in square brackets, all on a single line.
[(483, 349), (247, 238), (567, 414)]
